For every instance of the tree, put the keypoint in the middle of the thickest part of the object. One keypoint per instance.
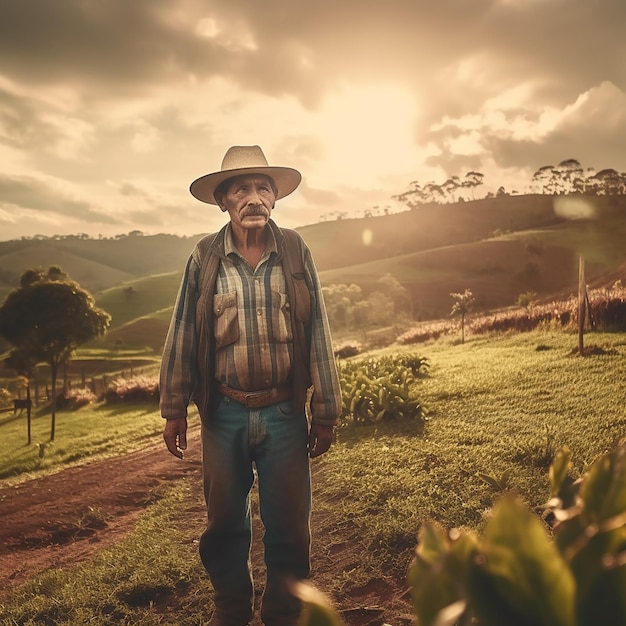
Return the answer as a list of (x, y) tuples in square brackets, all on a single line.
[(472, 180), (413, 198), (463, 305), (396, 292), (571, 174), (545, 178), (450, 187), (47, 318), (609, 182), (340, 303)]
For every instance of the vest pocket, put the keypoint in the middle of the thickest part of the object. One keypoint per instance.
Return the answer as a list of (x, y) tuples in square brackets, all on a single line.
[(226, 319)]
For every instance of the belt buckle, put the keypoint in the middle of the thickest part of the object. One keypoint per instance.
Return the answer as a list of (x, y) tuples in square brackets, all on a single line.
[(250, 397)]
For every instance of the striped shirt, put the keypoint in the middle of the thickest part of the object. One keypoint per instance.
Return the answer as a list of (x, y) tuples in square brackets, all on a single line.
[(252, 328)]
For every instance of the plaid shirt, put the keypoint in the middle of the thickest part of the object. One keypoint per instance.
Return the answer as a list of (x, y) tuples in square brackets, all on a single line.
[(253, 334), (252, 323)]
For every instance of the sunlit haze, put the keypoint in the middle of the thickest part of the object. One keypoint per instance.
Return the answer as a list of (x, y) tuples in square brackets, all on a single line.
[(109, 110)]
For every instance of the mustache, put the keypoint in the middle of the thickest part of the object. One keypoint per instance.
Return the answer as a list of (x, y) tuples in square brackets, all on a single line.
[(254, 210)]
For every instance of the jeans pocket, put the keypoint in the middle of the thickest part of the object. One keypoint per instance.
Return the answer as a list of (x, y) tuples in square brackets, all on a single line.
[(285, 408)]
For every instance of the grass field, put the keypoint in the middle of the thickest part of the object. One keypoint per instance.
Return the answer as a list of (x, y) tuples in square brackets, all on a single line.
[(498, 407), (81, 435)]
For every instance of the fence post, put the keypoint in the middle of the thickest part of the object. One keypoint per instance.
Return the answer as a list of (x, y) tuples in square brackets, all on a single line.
[(582, 300)]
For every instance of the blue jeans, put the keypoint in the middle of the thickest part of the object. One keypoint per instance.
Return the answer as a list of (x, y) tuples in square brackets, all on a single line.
[(274, 439)]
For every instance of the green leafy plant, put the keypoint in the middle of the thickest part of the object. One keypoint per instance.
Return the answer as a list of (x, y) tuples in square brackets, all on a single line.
[(516, 573), (499, 483), (380, 389)]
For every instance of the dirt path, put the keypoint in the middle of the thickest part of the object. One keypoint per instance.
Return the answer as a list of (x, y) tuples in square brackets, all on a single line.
[(62, 519)]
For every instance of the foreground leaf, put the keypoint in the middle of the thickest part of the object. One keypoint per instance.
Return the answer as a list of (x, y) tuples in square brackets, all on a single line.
[(438, 576), (317, 609), (520, 577)]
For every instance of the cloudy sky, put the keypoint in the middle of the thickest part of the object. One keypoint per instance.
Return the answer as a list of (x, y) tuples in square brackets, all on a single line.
[(110, 108)]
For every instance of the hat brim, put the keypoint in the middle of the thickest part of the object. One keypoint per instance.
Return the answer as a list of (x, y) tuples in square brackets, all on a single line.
[(286, 179)]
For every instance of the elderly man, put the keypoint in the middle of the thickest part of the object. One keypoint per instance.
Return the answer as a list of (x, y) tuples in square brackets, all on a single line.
[(248, 343)]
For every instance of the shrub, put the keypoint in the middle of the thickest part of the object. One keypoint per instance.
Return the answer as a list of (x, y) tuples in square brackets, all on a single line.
[(73, 399), (380, 389), (346, 349), (136, 389), (607, 311), (427, 332), (5, 397)]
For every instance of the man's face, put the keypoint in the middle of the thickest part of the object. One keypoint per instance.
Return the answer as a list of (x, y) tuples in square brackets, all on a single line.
[(249, 201)]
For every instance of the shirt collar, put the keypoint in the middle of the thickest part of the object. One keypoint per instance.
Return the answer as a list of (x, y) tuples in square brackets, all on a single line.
[(229, 243)]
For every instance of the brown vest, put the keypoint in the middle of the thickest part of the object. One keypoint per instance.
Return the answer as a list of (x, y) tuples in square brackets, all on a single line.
[(291, 254)]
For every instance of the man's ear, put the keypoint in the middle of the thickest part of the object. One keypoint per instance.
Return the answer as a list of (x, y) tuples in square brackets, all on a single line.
[(219, 199)]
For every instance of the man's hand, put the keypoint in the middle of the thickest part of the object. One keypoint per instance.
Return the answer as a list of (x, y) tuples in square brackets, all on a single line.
[(175, 436), (320, 439)]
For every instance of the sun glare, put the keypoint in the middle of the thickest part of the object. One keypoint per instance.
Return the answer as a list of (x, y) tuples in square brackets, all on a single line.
[(367, 237), (368, 129), (571, 208)]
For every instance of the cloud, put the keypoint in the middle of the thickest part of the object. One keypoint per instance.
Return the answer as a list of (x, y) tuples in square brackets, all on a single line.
[(589, 130), (47, 197), (114, 107)]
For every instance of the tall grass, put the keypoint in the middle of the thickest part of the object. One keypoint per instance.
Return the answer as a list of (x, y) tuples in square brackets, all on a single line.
[(498, 408)]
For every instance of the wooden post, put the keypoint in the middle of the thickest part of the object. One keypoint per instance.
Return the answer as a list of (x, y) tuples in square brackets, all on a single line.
[(28, 405), (582, 300)]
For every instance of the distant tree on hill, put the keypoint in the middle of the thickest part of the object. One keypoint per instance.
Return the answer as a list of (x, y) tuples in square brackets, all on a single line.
[(545, 179), (47, 318), (448, 191), (569, 177), (608, 182), (566, 177), (463, 303), (473, 180), (451, 188)]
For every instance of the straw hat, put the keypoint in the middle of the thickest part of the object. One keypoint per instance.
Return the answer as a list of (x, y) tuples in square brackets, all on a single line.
[(241, 160)]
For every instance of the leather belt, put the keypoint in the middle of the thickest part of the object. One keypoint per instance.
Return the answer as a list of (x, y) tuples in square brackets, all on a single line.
[(256, 399)]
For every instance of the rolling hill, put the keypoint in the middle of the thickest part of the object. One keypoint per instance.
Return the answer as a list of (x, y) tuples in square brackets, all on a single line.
[(97, 264), (499, 248)]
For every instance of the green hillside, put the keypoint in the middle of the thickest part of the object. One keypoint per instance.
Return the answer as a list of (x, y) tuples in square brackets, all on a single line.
[(345, 243), (139, 298), (498, 270), (32, 254), (495, 271), (97, 264), (140, 255), (146, 332), (498, 248)]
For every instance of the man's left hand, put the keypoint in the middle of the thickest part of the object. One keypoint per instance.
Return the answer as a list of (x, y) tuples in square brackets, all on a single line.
[(320, 438)]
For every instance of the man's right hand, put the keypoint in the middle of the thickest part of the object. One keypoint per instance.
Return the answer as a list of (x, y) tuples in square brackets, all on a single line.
[(175, 436)]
